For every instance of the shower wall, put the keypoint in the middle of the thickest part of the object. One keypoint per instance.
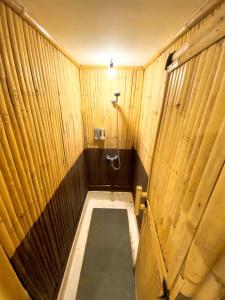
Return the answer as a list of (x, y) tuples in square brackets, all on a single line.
[(42, 169), (97, 91)]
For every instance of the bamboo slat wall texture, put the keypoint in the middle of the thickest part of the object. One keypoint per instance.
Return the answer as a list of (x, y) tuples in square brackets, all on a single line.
[(181, 179), (10, 286), (42, 175), (204, 265), (155, 80), (184, 160), (177, 127), (153, 91), (97, 92)]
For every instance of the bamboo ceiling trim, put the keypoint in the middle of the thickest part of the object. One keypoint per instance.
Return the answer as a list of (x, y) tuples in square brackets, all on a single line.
[(97, 91), (40, 125)]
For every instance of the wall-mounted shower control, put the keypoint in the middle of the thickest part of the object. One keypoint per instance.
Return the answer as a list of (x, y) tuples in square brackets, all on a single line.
[(112, 158), (99, 134)]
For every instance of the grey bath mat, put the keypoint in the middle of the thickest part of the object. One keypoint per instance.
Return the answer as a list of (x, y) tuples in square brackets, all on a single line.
[(107, 266)]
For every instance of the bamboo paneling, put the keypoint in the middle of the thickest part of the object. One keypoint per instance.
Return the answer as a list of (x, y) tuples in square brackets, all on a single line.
[(154, 84), (176, 123), (148, 284), (181, 145), (10, 286), (41, 146), (207, 250), (97, 91)]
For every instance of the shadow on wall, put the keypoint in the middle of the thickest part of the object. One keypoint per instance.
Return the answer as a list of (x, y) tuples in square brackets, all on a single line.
[(41, 258)]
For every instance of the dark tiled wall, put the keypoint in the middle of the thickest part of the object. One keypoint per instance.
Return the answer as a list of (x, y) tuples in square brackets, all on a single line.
[(36, 260), (41, 258), (101, 175)]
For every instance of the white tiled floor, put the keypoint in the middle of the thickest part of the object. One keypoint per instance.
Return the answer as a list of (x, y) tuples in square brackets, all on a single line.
[(116, 200)]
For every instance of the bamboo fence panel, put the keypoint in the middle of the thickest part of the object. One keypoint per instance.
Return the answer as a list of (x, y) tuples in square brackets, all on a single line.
[(41, 139), (97, 91)]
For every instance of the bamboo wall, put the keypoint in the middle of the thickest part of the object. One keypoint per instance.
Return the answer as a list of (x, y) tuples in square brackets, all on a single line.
[(42, 166), (10, 286), (184, 158), (41, 147), (97, 91)]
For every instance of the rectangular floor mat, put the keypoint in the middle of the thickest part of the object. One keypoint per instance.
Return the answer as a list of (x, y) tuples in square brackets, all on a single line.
[(107, 272)]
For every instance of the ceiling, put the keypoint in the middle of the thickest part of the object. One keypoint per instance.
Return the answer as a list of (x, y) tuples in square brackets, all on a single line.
[(129, 31)]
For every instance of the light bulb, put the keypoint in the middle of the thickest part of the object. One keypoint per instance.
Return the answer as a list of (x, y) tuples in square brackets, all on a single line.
[(111, 71)]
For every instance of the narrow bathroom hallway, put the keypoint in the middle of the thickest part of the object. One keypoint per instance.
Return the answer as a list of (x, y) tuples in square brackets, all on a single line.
[(112, 150)]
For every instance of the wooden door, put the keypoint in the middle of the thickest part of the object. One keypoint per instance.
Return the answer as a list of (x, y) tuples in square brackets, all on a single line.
[(182, 237), (188, 254), (150, 270)]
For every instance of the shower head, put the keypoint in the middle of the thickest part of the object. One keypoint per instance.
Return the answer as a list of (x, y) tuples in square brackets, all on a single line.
[(116, 94)]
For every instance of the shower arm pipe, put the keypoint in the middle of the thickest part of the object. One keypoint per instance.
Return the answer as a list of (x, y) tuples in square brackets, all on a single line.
[(195, 19), (21, 11), (117, 126)]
